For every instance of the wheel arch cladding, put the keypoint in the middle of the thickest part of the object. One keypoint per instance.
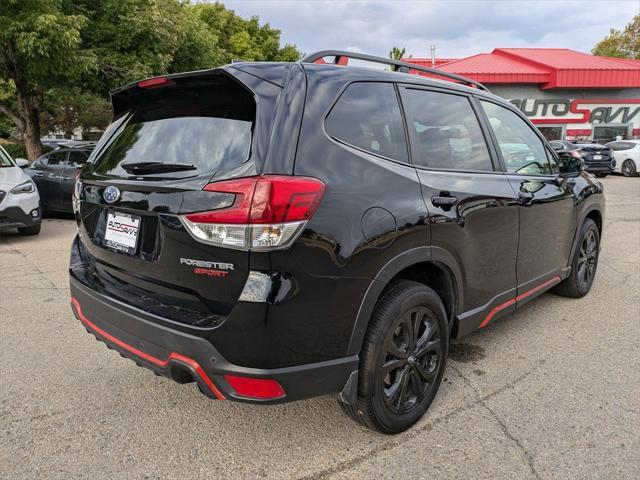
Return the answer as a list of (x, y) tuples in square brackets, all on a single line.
[(431, 266), (596, 216)]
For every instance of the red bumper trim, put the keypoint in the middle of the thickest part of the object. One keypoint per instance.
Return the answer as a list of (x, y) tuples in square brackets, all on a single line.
[(522, 296), (145, 356)]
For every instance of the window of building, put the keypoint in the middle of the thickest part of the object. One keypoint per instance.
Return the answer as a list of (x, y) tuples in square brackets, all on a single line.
[(445, 131), (367, 116), (608, 133)]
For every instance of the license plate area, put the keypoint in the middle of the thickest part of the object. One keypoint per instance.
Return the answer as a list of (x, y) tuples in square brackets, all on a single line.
[(122, 231), (597, 157)]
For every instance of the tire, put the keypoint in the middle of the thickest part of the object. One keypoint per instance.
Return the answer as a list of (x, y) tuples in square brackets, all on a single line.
[(601, 175), (35, 230), (584, 263), (394, 401), (628, 168)]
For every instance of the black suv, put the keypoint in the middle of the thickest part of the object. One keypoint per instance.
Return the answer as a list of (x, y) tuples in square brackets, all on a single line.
[(277, 231), (598, 159)]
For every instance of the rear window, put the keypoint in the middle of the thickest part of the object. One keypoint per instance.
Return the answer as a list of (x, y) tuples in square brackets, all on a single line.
[(209, 127)]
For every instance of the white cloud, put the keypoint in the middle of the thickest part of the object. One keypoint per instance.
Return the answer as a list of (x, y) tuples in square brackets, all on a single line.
[(458, 27)]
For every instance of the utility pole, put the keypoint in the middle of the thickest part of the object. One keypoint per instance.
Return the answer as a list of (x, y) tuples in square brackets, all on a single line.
[(433, 54)]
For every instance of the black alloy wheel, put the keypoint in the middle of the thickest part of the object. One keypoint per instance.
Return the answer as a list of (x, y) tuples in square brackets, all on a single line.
[(403, 358), (413, 354), (584, 263), (587, 260)]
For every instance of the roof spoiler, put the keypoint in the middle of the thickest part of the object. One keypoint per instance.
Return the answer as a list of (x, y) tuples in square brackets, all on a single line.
[(397, 65)]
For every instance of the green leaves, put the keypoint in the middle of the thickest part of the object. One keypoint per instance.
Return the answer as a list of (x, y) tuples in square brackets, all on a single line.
[(621, 44), (60, 58)]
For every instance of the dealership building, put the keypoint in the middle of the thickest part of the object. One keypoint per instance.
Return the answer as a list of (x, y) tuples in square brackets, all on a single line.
[(567, 94)]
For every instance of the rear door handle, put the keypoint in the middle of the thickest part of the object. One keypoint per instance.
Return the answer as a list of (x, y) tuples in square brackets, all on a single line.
[(444, 201)]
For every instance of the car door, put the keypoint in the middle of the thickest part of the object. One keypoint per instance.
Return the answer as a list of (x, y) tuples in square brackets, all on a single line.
[(473, 211), (48, 178), (547, 201), (75, 161)]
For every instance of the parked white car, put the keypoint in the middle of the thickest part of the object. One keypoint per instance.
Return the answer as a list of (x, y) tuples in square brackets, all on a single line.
[(19, 198), (627, 155)]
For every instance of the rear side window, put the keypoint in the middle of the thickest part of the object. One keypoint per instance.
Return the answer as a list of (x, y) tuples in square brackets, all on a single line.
[(620, 146), (77, 158), (367, 116), (208, 126), (56, 159), (522, 150), (445, 131)]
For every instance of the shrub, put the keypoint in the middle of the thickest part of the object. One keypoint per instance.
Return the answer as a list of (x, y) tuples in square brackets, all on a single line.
[(17, 150)]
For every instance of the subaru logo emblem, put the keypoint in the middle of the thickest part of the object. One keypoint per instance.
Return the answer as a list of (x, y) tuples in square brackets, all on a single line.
[(111, 194)]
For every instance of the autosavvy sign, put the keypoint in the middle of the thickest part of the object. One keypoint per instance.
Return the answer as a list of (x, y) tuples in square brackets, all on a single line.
[(580, 111)]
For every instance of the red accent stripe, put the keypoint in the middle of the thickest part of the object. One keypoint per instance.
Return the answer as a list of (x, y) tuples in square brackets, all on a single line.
[(522, 296), (145, 356)]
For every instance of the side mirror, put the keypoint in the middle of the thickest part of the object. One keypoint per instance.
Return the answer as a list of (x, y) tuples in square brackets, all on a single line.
[(557, 147), (22, 163), (570, 166)]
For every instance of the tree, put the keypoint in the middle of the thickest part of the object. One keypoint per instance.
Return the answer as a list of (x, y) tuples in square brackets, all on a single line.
[(243, 39), (67, 109), (621, 44), (40, 48), (397, 53), (60, 58)]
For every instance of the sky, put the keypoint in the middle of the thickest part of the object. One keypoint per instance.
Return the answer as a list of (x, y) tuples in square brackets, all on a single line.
[(457, 27)]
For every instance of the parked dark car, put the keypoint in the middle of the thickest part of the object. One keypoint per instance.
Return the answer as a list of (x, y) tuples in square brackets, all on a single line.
[(55, 174), (278, 231), (598, 159)]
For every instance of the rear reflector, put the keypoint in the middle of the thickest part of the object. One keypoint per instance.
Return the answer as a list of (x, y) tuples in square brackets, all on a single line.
[(262, 388), (268, 212)]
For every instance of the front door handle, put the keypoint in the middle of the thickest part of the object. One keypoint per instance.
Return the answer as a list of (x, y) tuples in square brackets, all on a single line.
[(37, 174), (526, 198), (444, 201)]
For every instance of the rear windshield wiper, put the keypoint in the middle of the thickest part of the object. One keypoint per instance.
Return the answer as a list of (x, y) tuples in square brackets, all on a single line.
[(156, 167)]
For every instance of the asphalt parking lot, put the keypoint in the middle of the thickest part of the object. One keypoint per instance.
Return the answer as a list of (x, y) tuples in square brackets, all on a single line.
[(552, 391)]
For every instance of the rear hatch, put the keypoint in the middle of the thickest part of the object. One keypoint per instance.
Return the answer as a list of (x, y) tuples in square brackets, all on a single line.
[(171, 137)]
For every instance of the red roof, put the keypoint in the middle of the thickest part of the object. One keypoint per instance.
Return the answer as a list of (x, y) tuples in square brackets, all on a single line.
[(549, 67), (426, 62)]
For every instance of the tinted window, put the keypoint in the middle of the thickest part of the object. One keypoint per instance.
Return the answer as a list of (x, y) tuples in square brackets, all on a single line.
[(445, 131), (208, 127), (56, 158), (521, 148), (620, 146), (367, 116), (77, 158), (5, 161)]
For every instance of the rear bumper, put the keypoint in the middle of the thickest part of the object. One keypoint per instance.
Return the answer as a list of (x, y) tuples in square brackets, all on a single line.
[(595, 168), (185, 357)]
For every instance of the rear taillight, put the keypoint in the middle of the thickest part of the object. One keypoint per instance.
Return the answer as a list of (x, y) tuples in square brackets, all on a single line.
[(575, 153), (268, 212)]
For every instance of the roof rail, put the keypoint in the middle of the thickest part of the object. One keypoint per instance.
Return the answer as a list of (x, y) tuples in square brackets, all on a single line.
[(398, 65)]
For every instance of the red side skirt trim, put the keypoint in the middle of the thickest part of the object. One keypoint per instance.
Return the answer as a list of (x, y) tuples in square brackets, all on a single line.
[(522, 296)]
